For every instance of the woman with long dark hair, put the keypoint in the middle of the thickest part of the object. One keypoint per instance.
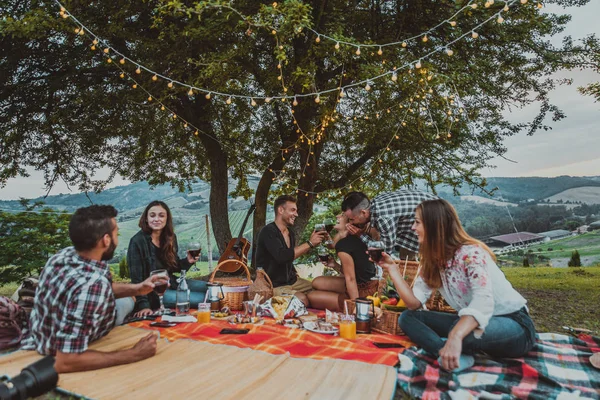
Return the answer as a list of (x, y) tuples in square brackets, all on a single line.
[(492, 316), (155, 247)]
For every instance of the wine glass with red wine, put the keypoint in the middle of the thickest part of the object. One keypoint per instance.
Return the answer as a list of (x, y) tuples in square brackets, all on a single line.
[(194, 249), (375, 248), (323, 254), (161, 287), (329, 224)]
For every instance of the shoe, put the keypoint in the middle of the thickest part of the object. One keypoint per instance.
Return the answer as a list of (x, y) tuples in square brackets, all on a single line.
[(465, 361)]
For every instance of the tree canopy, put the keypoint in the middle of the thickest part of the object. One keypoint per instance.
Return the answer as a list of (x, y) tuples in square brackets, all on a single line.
[(433, 106)]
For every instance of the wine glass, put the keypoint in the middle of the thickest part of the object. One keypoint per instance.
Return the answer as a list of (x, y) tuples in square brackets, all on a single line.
[(323, 254), (375, 248), (160, 288), (194, 249), (320, 227), (329, 224)]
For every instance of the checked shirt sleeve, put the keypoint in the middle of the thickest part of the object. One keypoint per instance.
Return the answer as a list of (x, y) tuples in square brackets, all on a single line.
[(79, 325)]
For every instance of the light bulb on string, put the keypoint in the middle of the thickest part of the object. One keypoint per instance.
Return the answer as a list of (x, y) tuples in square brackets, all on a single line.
[(191, 92), (358, 51), (252, 103), (93, 47), (154, 78), (162, 108), (404, 44), (506, 8), (380, 51), (450, 52), (134, 86), (207, 96), (138, 70), (474, 6), (81, 32), (106, 50), (295, 102), (122, 61), (425, 38), (539, 5), (109, 60), (394, 77), (77, 30), (228, 101), (95, 41), (487, 4), (367, 87), (452, 23), (474, 35), (500, 19), (418, 64), (149, 98), (268, 100), (337, 45), (523, 1), (170, 85), (318, 39), (342, 94), (65, 15), (122, 75)]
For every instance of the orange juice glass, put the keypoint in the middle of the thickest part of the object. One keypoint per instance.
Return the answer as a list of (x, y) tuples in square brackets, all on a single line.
[(348, 327), (203, 312)]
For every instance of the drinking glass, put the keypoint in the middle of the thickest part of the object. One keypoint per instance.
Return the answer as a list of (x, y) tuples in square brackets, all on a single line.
[(323, 254), (375, 248), (203, 315), (329, 224), (320, 227), (194, 248), (347, 327), (160, 288)]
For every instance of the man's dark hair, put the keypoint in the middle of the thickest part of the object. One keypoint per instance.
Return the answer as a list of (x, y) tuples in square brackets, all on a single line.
[(281, 200), (90, 224), (353, 200)]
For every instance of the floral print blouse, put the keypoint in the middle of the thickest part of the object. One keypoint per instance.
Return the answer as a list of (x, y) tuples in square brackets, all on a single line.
[(473, 285)]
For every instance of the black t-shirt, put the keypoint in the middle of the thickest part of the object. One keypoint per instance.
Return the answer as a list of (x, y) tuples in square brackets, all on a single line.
[(356, 248), (273, 254)]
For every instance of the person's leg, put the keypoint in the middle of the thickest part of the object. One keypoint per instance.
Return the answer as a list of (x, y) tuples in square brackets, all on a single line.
[(427, 328), (503, 337), (327, 300), (124, 307), (301, 288), (330, 284)]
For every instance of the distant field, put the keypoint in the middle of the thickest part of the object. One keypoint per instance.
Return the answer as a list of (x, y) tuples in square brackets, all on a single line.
[(586, 194), (587, 244), (485, 200)]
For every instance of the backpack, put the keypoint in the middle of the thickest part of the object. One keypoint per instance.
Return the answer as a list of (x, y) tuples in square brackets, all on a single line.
[(13, 321)]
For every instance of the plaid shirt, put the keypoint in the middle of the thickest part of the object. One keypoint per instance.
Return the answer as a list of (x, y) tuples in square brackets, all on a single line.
[(74, 305), (393, 214)]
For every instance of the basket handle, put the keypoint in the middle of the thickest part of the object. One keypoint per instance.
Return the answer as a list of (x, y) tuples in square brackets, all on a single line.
[(212, 276), (266, 276)]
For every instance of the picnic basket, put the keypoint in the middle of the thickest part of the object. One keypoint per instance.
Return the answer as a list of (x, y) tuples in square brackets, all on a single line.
[(387, 323), (235, 288), (262, 286)]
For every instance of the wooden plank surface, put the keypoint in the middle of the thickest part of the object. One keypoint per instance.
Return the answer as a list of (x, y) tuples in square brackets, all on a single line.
[(190, 368)]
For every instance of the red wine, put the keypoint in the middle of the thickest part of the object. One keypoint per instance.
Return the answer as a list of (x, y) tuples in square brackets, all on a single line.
[(195, 253), (329, 227), (324, 257), (375, 254), (160, 288)]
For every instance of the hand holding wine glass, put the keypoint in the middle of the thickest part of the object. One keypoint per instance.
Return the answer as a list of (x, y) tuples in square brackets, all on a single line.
[(160, 286), (329, 224), (193, 251)]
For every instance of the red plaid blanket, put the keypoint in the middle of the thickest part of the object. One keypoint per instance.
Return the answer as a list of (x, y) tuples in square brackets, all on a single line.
[(277, 339), (557, 367)]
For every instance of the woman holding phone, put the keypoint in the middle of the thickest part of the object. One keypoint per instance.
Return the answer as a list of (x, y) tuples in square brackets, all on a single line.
[(155, 248), (492, 316)]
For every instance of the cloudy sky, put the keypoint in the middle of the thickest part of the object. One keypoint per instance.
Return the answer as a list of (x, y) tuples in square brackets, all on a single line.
[(570, 148)]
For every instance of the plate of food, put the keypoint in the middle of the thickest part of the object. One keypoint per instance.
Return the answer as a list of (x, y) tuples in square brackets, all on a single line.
[(320, 327)]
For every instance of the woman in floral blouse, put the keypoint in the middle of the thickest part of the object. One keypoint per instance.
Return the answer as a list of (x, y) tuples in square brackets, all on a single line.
[(492, 316)]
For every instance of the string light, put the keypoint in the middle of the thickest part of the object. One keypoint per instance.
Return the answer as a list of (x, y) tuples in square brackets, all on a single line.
[(474, 35)]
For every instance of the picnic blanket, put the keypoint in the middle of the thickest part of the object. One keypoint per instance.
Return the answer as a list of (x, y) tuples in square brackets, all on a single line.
[(192, 369), (558, 367), (277, 339)]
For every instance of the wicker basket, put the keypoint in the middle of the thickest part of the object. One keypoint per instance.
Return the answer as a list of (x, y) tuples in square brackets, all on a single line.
[(387, 324), (262, 286), (235, 288)]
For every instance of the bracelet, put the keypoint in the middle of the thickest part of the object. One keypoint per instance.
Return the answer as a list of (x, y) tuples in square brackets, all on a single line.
[(312, 246)]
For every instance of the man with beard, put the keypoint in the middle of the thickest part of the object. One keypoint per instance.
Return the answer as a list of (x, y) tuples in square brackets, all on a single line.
[(276, 250), (75, 303), (388, 217)]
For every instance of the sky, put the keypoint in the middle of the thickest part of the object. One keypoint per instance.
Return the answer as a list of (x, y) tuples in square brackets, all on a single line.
[(570, 148)]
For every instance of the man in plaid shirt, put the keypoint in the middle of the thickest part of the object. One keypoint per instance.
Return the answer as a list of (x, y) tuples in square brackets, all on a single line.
[(74, 303), (389, 217)]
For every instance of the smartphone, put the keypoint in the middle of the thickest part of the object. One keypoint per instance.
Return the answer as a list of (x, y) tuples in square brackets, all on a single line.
[(144, 318), (226, 331), (387, 345), (162, 324)]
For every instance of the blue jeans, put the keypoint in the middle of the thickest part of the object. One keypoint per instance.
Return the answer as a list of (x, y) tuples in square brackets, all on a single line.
[(510, 335), (197, 293)]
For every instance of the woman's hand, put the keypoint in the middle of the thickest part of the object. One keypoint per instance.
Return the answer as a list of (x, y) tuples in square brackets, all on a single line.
[(142, 313), (450, 353), (386, 262), (191, 259)]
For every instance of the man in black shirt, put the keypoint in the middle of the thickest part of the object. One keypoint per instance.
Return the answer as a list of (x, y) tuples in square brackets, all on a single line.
[(276, 250)]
